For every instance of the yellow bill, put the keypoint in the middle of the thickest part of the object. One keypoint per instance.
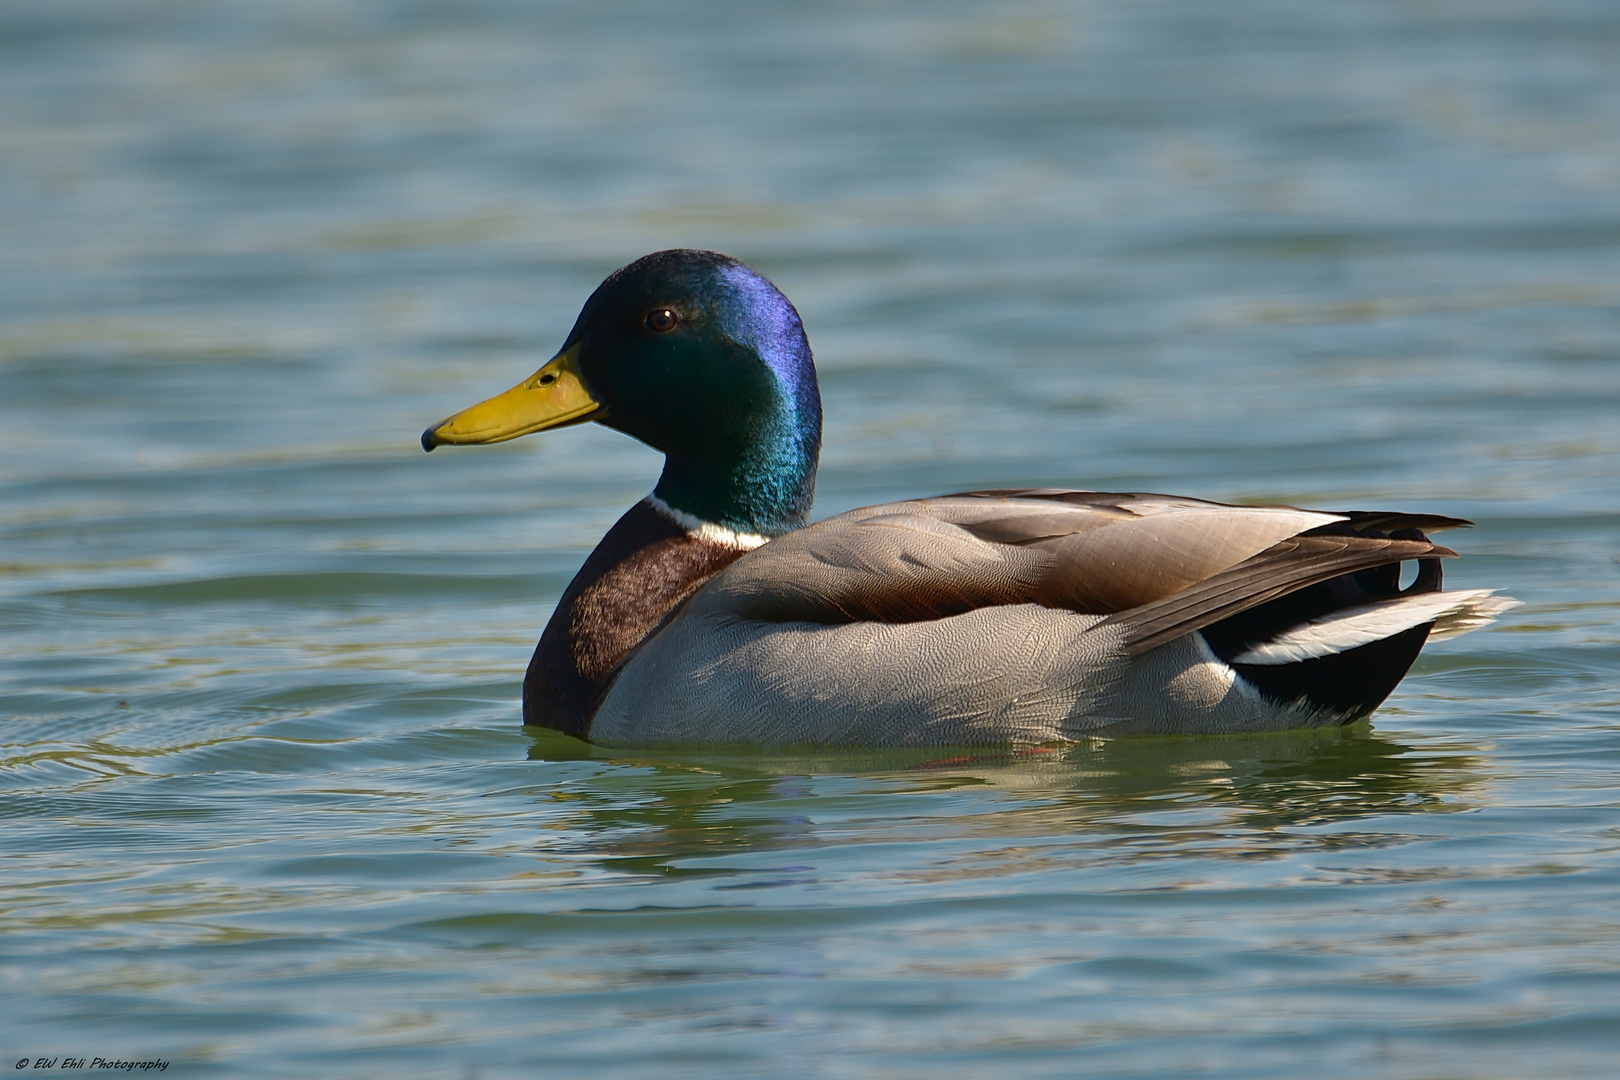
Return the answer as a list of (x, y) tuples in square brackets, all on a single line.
[(552, 397)]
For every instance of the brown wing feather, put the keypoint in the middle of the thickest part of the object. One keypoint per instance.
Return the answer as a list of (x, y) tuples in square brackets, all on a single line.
[(1286, 567), (1157, 565), (905, 562), (893, 567), (1103, 501)]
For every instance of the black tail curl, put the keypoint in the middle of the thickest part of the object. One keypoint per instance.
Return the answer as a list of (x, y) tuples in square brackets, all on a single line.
[(1346, 685)]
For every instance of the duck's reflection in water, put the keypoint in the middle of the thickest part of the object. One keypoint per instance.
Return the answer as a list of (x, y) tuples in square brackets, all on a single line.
[(680, 811)]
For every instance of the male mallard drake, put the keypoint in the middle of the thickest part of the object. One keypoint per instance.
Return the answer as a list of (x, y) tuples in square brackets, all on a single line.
[(712, 612)]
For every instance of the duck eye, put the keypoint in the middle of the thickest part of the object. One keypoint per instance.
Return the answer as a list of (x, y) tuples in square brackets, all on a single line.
[(662, 320)]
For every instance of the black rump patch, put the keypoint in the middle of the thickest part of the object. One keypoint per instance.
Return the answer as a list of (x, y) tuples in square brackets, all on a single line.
[(1349, 684)]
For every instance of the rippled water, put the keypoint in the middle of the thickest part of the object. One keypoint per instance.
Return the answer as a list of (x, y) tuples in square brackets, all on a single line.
[(268, 807)]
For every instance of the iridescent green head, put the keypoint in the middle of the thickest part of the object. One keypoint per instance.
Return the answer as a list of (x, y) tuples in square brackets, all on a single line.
[(699, 356)]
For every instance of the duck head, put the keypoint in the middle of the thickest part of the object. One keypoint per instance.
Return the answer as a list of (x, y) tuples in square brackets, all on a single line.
[(696, 355)]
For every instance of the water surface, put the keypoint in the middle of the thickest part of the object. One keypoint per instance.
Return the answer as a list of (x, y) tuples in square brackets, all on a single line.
[(269, 810)]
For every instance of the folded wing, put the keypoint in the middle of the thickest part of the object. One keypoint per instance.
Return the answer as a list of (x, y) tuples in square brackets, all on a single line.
[(1159, 565)]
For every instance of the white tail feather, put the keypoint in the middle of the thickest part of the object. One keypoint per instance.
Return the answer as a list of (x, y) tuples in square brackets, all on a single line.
[(1452, 613)]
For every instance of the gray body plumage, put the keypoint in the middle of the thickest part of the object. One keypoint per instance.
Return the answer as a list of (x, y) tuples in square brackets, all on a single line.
[(1011, 674), (997, 617)]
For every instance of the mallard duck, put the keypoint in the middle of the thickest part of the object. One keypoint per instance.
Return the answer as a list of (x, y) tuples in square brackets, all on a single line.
[(715, 612)]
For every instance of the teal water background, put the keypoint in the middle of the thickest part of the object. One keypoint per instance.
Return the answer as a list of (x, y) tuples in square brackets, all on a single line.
[(268, 809)]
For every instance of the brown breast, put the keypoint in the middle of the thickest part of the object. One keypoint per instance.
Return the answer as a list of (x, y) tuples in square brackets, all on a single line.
[(644, 568)]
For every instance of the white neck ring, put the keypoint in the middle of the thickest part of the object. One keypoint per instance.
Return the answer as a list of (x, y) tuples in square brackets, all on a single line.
[(707, 530)]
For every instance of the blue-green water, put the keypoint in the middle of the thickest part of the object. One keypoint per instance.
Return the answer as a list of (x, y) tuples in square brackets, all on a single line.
[(268, 810)]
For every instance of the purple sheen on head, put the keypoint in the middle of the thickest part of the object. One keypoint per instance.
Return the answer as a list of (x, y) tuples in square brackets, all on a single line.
[(766, 321)]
